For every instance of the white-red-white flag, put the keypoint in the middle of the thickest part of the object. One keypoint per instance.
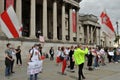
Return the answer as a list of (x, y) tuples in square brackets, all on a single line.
[(107, 25), (10, 24)]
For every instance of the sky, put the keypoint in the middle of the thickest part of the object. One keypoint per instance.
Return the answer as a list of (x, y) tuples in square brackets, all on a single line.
[(95, 7)]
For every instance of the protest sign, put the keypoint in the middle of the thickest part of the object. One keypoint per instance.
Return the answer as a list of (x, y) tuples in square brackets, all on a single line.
[(34, 67)]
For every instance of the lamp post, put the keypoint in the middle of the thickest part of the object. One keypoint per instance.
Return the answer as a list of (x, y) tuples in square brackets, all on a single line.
[(117, 33)]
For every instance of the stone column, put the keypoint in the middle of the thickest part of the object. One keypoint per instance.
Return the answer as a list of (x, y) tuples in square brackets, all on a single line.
[(99, 37), (63, 22), (45, 19), (97, 34), (94, 35), (91, 34), (82, 30), (19, 10), (88, 35), (1, 6), (1, 10), (33, 19), (77, 25), (55, 20), (70, 25)]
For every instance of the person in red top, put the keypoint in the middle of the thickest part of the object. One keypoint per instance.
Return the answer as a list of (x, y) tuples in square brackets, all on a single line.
[(62, 58)]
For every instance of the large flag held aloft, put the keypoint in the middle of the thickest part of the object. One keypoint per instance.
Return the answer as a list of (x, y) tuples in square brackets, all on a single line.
[(108, 27), (10, 24)]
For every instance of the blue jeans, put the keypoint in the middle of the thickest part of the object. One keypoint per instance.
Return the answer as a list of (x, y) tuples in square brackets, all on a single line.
[(33, 77), (7, 71), (96, 62), (7, 67)]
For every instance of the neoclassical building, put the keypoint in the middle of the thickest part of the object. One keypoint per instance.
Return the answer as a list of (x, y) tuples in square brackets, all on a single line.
[(92, 33), (53, 20), (50, 18), (89, 29)]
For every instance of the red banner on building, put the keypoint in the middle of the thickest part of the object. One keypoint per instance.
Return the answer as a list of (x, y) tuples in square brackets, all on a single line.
[(74, 21), (9, 2)]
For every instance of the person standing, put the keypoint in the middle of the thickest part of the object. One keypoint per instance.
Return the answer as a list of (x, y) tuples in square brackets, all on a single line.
[(115, 58), (34, 56), (64, 61), (102, 55), (79, 57), (8, 60), (57, 55), (67, 51), (110, 55), (51, 53), (71, 59), (97, 57), (18, 55), (90, 60)]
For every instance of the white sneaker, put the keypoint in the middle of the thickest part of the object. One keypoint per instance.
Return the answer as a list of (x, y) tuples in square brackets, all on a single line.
[(97, 68)]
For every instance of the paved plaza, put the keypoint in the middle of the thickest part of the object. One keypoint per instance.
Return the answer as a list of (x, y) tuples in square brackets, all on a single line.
[(52, 72)]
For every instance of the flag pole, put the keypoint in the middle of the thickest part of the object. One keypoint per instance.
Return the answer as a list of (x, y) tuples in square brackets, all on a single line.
[(117, 32), (92, 33)]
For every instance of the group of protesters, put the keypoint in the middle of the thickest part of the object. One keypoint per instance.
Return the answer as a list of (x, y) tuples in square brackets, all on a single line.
[(35, 54), (68, 56), (95, 57)]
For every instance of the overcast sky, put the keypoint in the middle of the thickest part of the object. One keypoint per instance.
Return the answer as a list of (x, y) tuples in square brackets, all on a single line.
[(95, 7)]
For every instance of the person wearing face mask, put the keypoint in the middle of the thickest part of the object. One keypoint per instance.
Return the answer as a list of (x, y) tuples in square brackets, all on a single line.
[(8, 60), (34, 56)]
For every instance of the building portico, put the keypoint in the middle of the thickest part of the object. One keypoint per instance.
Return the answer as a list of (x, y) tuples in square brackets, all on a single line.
[(52, 18)]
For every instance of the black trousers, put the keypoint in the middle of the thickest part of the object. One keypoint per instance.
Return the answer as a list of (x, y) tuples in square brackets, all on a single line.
[(18, 57), (89, 62), (109, 58), (52, 57), (71, 64), (80, 72), (12, 64)]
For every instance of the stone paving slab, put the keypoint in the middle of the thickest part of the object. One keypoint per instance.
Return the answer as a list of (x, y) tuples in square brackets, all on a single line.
[(52, 72)]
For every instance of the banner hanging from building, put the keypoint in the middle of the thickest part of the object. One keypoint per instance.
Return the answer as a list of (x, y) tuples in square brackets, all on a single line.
[(9, 3), (10, 24), (74, 21), (107, 25)]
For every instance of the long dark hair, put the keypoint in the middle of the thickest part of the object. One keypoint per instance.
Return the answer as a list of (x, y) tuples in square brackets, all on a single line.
[(62, 48)]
